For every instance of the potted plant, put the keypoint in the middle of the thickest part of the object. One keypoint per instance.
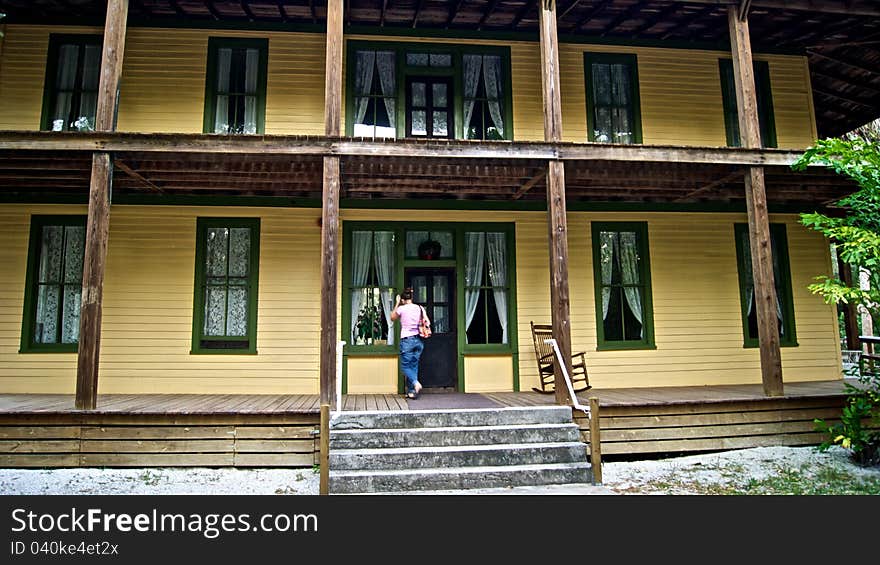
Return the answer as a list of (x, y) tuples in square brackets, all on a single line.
[(369, 324), (429, 249)]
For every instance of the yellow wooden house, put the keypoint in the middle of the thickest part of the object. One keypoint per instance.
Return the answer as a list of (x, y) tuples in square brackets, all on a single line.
[(205, 197)]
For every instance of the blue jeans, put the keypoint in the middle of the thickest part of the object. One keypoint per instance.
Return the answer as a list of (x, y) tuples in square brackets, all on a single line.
[(410, 352)]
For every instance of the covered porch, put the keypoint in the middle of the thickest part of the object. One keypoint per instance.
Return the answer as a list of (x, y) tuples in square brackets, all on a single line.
[(143, 430)]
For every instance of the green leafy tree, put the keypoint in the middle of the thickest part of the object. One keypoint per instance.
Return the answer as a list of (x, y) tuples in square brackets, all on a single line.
[(856, 235)]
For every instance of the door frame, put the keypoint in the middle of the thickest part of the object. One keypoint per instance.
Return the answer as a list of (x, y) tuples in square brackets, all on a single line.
[(452, 273), (458, 263)]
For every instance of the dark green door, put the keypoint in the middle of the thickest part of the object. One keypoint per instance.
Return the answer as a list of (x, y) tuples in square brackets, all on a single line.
[(435, 290)]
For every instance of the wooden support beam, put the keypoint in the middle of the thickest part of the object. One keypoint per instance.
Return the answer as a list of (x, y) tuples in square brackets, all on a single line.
[(756, 207), (715, 183), (329, 249), (850, 311), (98, 223), (529, 184), (333, 70), (595, 442), (382, 13), (418, 12), (117, 164), (324, 435), (556, 210)]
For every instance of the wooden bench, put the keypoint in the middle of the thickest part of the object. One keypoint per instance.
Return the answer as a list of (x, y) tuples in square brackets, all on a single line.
[(869, 363)]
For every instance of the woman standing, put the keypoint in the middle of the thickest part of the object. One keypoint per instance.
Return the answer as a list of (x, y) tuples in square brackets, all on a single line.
[(411, 346)]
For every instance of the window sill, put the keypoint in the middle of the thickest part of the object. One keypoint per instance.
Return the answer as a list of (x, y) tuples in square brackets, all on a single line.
[(222, 352), (60, 349), (626, 346), (368, 350), (756, 346)]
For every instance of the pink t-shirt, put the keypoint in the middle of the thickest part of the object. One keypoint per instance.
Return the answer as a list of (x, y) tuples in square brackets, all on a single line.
[(410, 314)]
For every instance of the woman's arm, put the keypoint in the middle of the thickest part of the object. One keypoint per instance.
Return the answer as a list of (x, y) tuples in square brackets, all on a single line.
[(394, 314)]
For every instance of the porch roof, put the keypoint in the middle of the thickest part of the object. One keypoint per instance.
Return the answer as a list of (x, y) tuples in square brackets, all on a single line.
[(47, 165), (840, 37)]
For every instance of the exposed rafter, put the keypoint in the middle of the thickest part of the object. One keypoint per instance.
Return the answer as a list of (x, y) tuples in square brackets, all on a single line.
[(624, 16), (281, 11), (247, 10), (528, 6), (454, 9), (837, 60), (848, 7), (659, 17), (175, 5), (487, 14), (529, 184), (683, 24), (313, 12), (213, 9), (595, 11), (418, 12), (382, 13), (842, 98)]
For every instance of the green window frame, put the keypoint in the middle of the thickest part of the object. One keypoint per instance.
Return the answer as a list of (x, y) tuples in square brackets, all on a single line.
[(427, 60), (614, 290), (55, 262), (71, 86), (233, 92), (764, 93), (620, 101), (223, 280), (782, 280)]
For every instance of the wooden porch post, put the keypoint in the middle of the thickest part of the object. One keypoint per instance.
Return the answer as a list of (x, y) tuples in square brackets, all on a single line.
[(850, 312), (330, 202), (756, 206), (556, 212), (98, 225)]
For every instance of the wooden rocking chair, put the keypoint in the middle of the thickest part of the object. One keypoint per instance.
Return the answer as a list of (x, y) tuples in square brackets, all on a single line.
[(546, 359)]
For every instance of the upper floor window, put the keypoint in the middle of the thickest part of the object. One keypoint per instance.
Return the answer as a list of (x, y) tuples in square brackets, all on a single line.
[(765, 103), (398, 90), (53, 289), (235, 90), (73, 71), (613, 107), (781, 279)]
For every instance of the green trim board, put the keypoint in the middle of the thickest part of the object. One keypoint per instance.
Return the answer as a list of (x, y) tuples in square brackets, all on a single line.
[(200, 341), (635, 110), (214, 46), (782, 279), (766, 116), (35, 248), (56, 40), (402, 263), (644, 261), (403, 71)]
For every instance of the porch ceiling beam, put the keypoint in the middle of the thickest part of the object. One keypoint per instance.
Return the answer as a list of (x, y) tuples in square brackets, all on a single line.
[(528, 6), (213, 9), (685, 23), (848, 7), (453, 11), (382, 13), (840, 61), (659, 17), (595, 11), (626, 15), (247, 10), (418, 12), (842, 98), (281, 11), (177, 9), (487, 14), (136, 176), (529, 184), (738, 174), (160, 144)]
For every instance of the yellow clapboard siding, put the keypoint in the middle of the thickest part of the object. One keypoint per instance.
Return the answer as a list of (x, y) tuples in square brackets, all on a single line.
[(148, 305), (163, 85)]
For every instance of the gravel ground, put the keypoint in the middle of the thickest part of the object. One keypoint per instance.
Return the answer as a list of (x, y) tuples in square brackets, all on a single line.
[(800, 469)]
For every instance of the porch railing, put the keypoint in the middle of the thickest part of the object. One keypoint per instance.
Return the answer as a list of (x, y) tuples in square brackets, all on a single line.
[(338, 405), (574, 400)]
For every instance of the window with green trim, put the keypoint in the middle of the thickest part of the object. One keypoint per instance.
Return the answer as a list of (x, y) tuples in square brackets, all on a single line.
[(782, 281), (73, 70), (613, 105), (235, 88), (371, 287), (764, 94), (53, 289), (486, 287), (227, 265), (401, 89), (622, 277)]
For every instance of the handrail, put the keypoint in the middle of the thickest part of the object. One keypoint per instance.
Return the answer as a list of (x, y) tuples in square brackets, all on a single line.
[(338, 406), (574, 399)]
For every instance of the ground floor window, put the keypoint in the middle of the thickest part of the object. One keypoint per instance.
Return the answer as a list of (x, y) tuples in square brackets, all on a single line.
[(782, 281), (54, 283), (227, 262), (486, 287), (372, 290), (622, 277)]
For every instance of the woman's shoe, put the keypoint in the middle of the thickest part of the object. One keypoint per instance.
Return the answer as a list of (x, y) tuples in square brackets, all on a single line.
[(418, 388), (412, 395)]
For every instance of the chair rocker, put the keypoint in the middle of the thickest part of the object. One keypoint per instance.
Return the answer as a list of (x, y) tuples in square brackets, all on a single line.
[(546, 359)]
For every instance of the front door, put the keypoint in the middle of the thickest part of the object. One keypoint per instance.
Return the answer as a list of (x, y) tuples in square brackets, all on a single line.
[(435, 290), (429, 107)]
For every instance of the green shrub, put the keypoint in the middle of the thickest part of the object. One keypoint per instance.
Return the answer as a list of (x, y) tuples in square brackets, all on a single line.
[(854, 431)]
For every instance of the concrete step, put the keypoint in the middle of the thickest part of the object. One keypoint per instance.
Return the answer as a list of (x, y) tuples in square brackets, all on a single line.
[(355, 420), (450, 436), (449, 478), (466, 456)]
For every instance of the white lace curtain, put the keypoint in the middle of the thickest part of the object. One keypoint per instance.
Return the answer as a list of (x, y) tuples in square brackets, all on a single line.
[(621, 249), (476, 246), (377, 249), (366, 64), (248, 123), (490, 65)]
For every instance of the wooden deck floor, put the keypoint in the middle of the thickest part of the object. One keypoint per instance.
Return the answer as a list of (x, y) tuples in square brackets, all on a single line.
[(279, 404)]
